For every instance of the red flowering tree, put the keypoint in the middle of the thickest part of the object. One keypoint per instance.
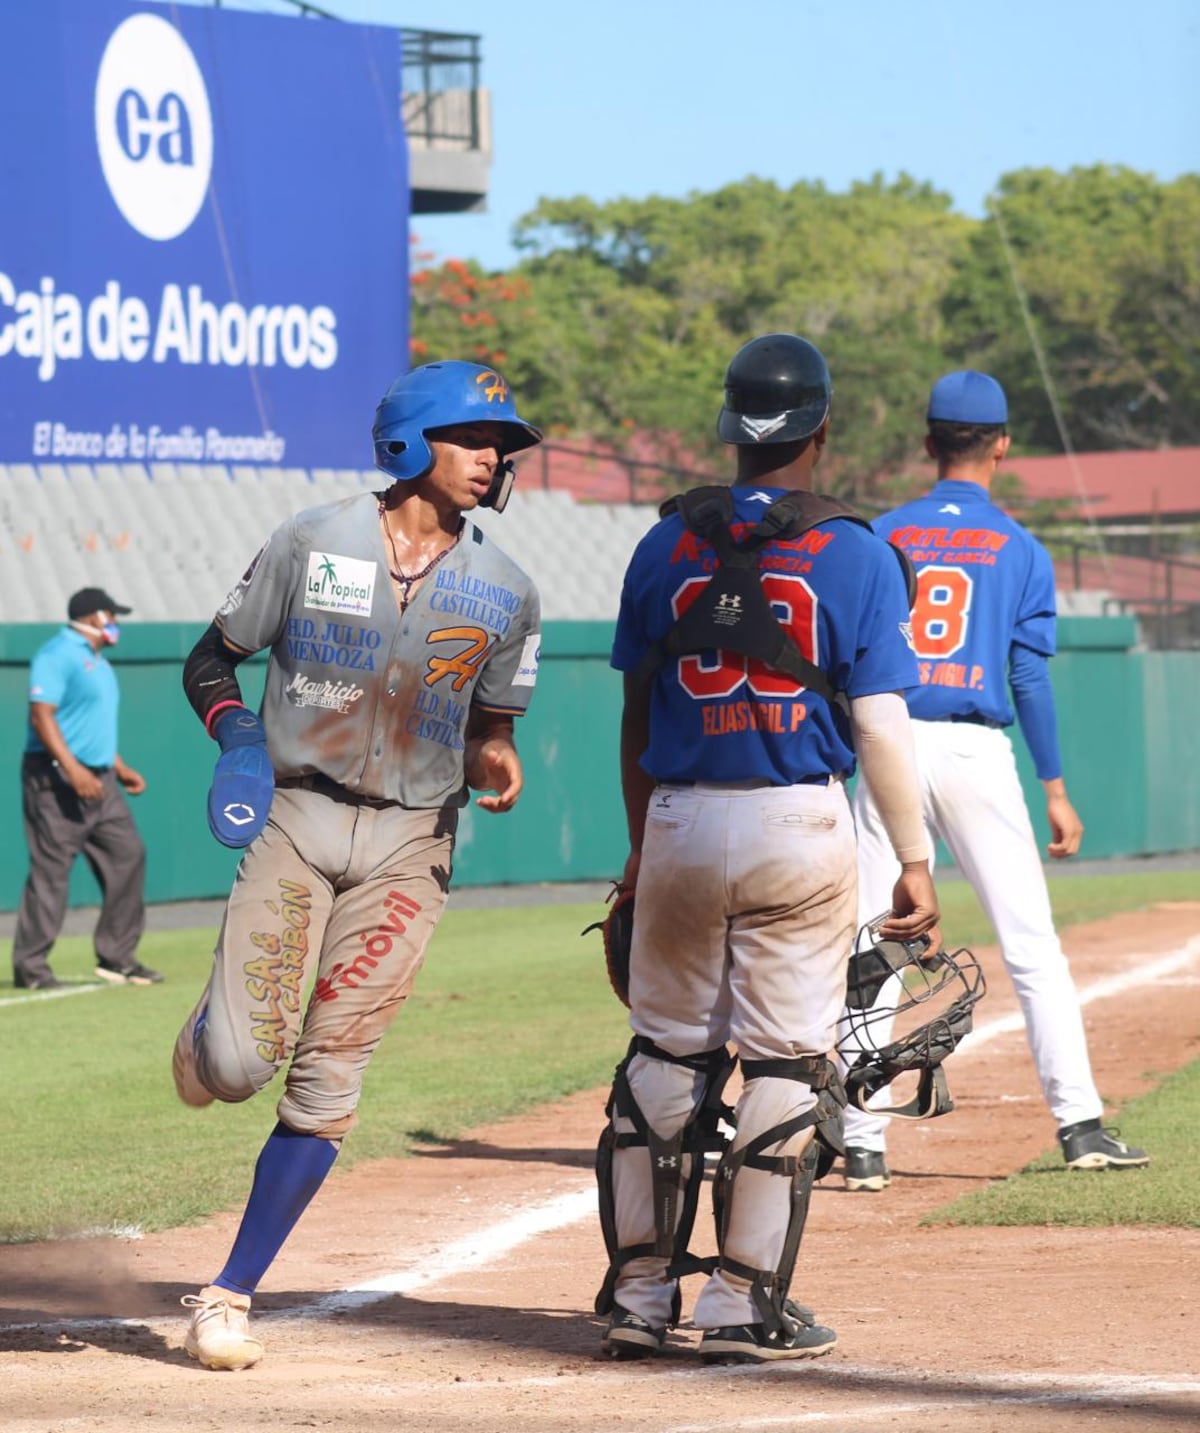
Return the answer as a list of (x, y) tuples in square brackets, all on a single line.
[(457, 310)]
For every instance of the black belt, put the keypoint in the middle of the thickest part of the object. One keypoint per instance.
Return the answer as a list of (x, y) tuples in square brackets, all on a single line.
[(43, 758), (975, 719), (318, 781), (820, 779)]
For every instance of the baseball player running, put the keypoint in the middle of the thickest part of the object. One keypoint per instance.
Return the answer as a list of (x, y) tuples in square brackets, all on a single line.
[(984, 623), (742, 854), (403, 644)]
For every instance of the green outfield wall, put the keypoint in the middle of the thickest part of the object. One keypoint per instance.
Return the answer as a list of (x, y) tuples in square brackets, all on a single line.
[(1130, 737)]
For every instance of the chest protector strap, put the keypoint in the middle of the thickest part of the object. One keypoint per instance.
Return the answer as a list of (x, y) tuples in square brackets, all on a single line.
[(732, 611)]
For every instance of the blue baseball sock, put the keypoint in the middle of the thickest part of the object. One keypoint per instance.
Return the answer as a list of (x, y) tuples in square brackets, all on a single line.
[(290, 1170)]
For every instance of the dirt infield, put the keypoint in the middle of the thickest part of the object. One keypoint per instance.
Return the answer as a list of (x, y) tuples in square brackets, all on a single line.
[(484, 1258)]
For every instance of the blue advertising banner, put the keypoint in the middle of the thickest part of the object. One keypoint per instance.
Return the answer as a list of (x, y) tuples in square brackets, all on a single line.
[(203, 234)]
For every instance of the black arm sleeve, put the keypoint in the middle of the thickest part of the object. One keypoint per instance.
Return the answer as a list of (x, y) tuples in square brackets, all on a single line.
[(209, 675)]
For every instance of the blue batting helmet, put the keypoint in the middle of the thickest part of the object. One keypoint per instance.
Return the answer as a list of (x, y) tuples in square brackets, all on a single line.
[(440, 395)]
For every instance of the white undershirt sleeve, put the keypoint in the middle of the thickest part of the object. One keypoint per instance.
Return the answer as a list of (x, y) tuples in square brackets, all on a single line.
[(883, 742)]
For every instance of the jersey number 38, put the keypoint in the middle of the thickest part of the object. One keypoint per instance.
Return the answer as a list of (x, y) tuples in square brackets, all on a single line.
[(794, 604)]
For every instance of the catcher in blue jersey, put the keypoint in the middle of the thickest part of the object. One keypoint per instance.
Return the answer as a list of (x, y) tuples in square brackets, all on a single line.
[(983, 631), (742, 855)]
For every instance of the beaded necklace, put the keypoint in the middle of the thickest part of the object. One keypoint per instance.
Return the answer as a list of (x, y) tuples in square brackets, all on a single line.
[(406, 580)]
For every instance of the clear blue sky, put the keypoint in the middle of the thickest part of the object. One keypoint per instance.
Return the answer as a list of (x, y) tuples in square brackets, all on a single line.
[(637, 97)]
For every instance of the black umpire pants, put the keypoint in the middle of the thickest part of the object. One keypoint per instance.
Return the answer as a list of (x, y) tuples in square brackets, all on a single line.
[(59, 827)]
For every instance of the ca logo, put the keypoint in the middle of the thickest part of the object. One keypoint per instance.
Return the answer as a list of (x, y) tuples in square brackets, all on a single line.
[(153, 126)]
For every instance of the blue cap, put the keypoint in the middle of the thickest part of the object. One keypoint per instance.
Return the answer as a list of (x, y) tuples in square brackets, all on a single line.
[(967, 397)]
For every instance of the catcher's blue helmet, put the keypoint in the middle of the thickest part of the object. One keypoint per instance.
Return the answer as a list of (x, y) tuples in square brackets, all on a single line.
[(439, 395)]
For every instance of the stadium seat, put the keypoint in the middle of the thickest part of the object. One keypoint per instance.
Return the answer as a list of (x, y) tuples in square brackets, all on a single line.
[(171, 539)]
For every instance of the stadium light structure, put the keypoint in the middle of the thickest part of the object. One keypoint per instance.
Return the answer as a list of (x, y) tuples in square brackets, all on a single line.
[(447, 115)]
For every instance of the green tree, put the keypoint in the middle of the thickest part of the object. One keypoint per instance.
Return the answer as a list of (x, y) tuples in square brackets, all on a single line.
[(1109, 265), (640, 304), (620, 317)]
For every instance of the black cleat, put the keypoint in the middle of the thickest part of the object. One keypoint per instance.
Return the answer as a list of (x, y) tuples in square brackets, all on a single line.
[(800, 1337), (865, 1169), (628, 1335), (44, 981), (134, 974), (1088, 1145)]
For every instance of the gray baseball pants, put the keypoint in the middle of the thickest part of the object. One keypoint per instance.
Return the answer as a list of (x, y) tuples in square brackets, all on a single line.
[(58, 828), (340, 893)]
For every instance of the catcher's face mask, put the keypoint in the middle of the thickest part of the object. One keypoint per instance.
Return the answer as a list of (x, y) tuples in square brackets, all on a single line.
[(907, 1007)]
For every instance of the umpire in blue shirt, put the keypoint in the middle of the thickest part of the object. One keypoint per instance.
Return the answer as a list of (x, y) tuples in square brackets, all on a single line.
[(73, 785)]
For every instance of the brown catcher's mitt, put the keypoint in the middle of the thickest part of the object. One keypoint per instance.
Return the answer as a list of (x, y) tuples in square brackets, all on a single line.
[(617, 930)]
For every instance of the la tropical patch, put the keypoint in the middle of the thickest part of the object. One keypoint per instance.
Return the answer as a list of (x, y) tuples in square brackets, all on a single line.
[(339, 584)]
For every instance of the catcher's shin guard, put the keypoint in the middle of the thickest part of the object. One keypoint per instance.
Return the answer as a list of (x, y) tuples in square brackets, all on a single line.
[(769, 1287), (677, 1164)]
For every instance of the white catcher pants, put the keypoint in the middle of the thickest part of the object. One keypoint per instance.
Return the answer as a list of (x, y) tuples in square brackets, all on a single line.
[(745, 912), (973, 800)]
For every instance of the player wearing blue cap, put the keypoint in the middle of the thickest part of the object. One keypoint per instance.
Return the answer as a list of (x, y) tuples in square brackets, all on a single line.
[(984, 630)]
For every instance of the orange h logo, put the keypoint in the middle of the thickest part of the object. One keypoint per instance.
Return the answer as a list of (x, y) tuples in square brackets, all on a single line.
[(496, 386), (463, 667)]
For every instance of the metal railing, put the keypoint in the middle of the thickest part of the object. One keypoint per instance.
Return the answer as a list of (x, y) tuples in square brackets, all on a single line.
[(1162, 591), (303, 6), (442, 69), (1166, 625), (442, 89), (624, 478)]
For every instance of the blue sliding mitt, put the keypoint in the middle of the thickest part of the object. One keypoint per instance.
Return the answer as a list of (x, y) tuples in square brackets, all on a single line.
[(239, 799)]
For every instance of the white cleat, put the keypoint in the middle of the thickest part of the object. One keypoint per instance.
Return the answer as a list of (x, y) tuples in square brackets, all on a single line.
[(218, 1332)]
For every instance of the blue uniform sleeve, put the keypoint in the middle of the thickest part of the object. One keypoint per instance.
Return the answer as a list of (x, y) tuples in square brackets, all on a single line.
[(884, 660), (48, 675), (1033, 698), (1035, 625), (631, 639)]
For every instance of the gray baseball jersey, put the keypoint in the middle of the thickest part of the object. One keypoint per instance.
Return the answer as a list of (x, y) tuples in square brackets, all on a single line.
[(375, 700)]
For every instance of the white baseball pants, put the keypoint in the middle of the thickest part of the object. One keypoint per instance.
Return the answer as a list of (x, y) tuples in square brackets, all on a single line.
[(745, 912), (973, 801)]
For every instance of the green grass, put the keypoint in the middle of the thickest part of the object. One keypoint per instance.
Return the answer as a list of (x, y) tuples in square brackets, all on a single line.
[(512, 1009), (1046, 1192)]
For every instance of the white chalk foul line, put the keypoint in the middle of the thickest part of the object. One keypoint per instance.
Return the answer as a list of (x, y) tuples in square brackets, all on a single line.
[(471, 1252), (31, 997), (861, 1378), (1135, 974)]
